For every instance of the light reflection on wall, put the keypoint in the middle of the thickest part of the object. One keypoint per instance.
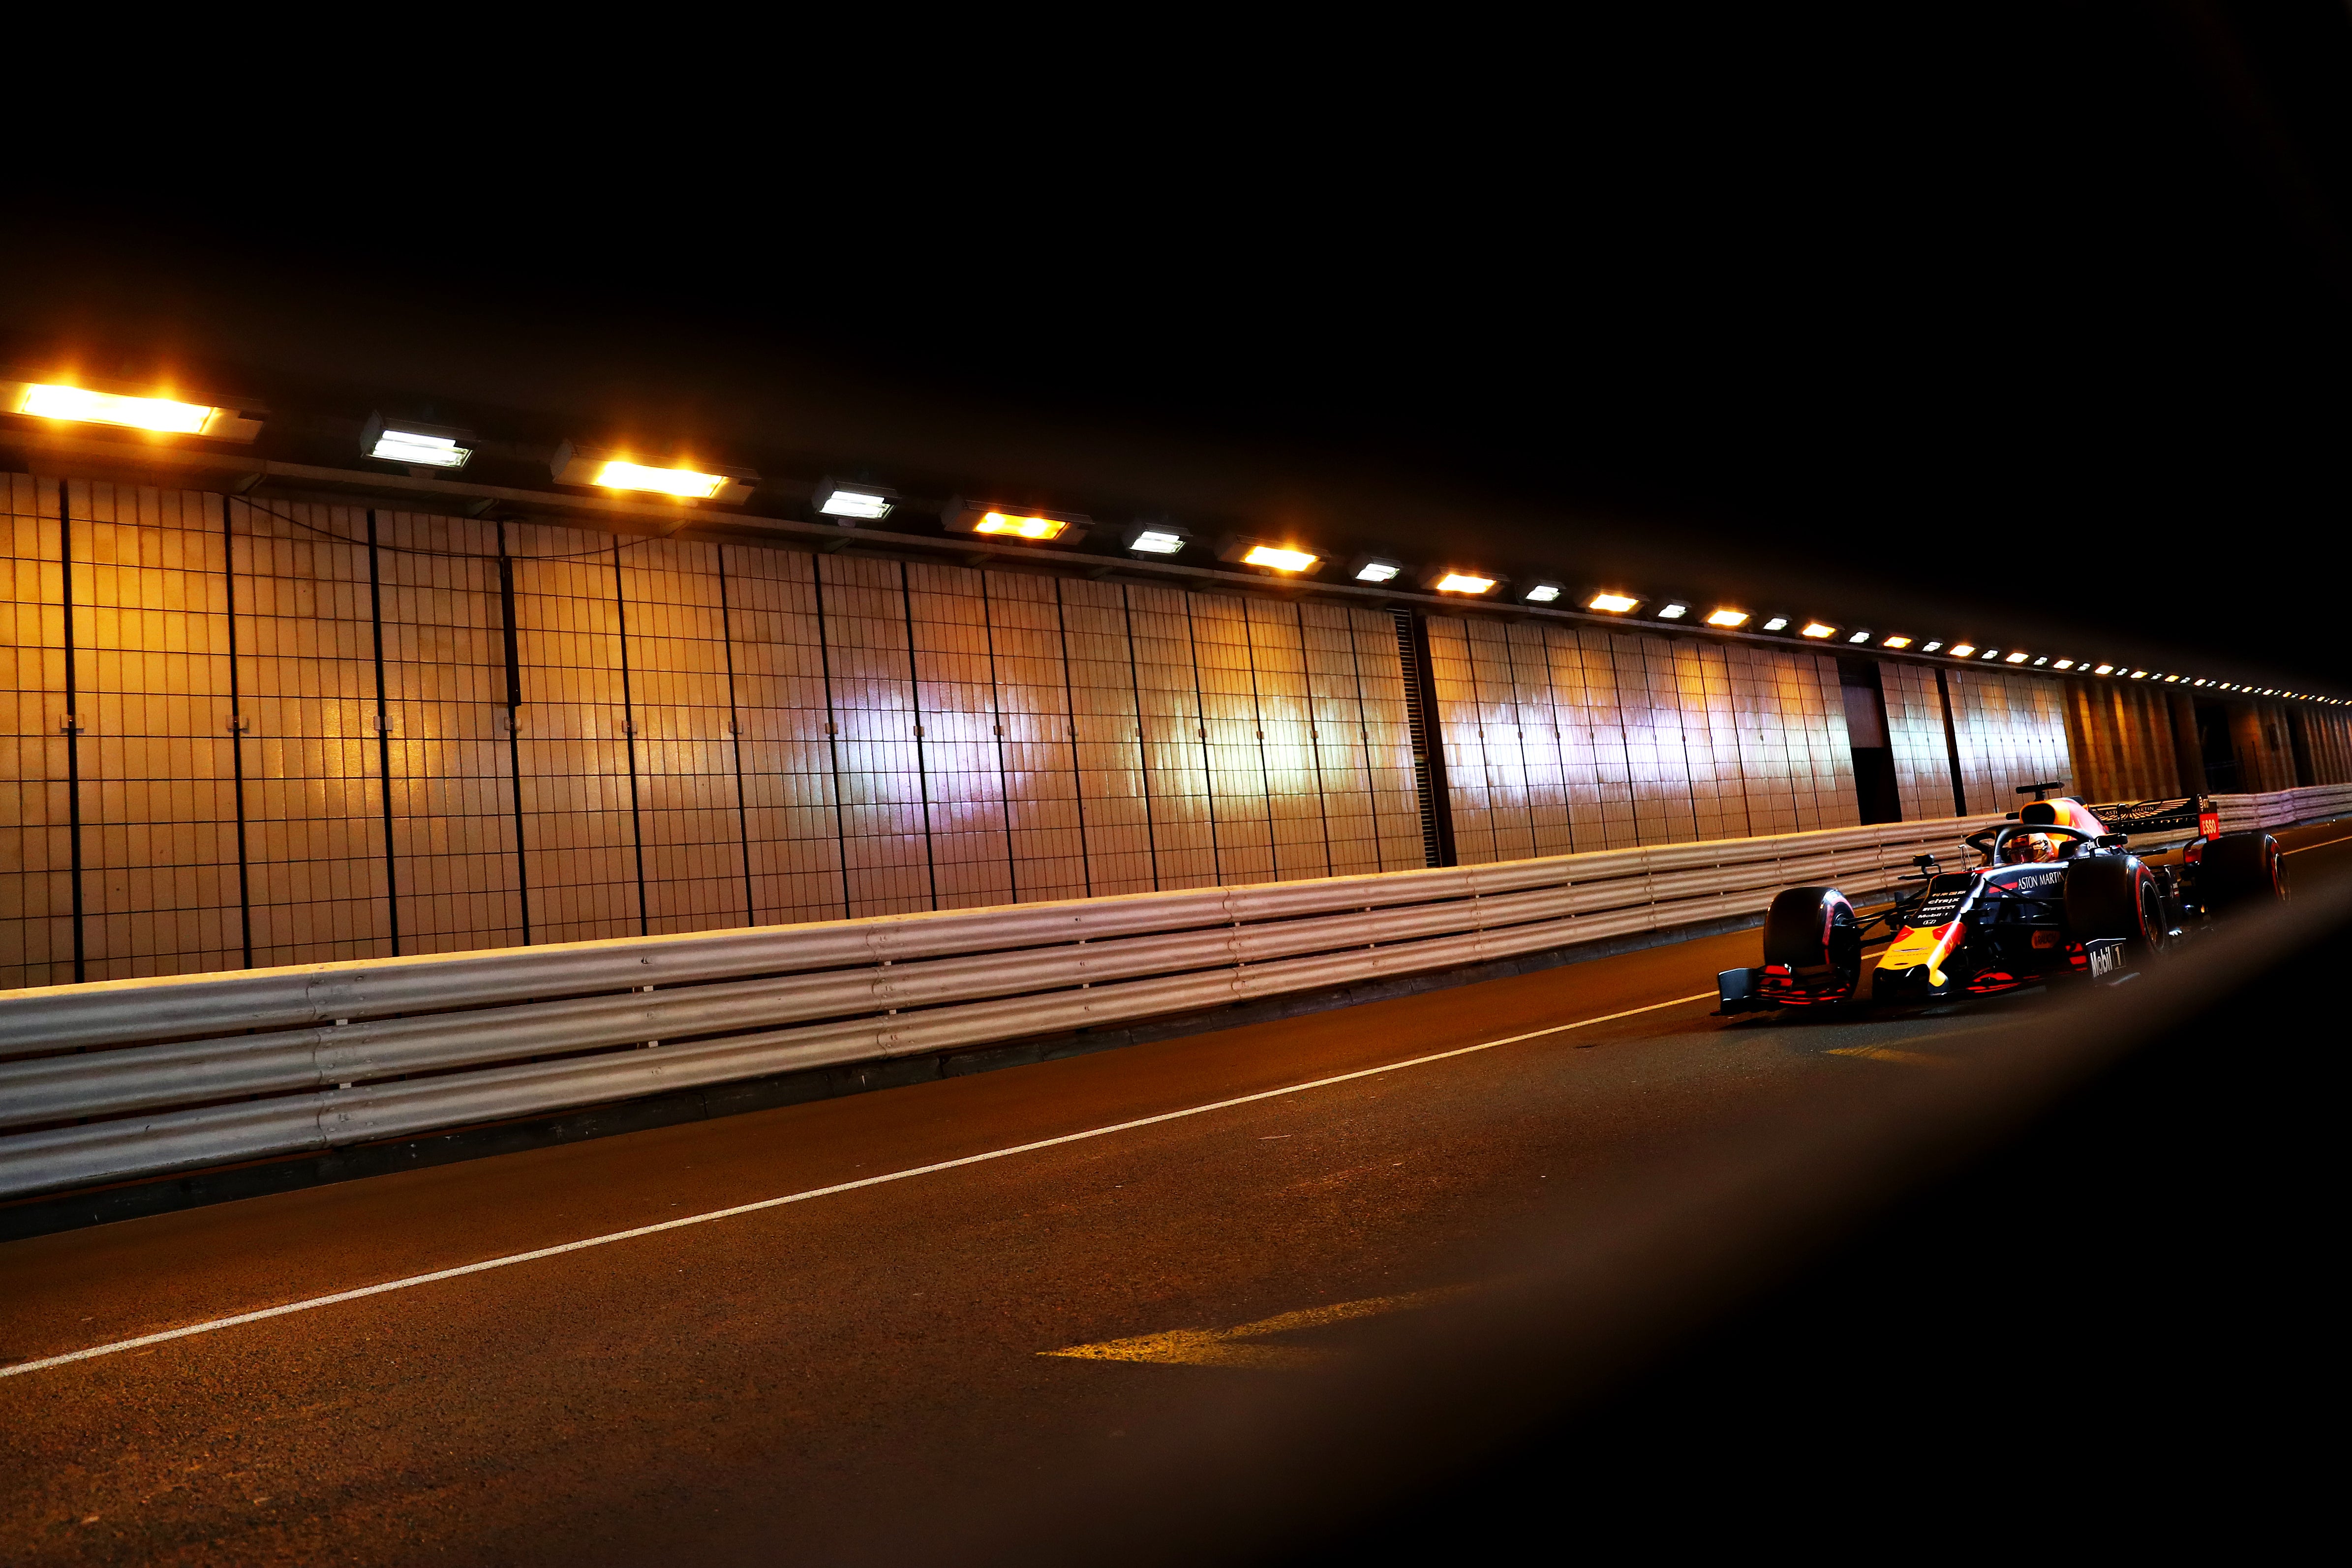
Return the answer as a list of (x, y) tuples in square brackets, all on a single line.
[(709, 736)]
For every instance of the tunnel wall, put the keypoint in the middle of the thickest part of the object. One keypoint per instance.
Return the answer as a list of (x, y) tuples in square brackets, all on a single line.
[(295, 747), (293, 743), (1560, 739), (2134, 740)]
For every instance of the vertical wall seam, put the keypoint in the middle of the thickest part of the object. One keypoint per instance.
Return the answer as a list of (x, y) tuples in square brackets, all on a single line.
[(735, 737), (629, 735), (915, 705), (1142, 753), (832, 727), (237, 742), (514, 727), (1077, 773), (73, 727), (383, 733)]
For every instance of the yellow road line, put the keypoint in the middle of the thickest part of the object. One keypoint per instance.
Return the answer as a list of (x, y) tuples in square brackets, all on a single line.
[(1229, 1347), (1889, 1053)]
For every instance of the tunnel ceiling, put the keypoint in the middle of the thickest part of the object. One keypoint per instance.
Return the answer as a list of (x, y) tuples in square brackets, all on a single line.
[(2018, 338)]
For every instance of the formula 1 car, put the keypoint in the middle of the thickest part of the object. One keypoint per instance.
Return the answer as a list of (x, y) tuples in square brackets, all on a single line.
[(2057, 897)]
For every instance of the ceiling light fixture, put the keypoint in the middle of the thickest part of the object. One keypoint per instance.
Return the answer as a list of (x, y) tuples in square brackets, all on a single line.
[(1026, 523), (1156, 538), (576, 465), (855, 502), (69, 403), (415, 445), (1273, 558), (1267, 556)]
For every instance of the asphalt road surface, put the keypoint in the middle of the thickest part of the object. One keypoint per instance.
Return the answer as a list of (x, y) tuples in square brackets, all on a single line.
[(972, 1285)]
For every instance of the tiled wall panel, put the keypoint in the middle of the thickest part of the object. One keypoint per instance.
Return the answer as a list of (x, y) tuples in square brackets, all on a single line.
[(455, 866), (1560, 740), (1388, 741), (879, 773), (580, 789), (1236, 757), (1596, 772), (1041, 743), (314, 771), (963, 743), (1287, 744), (1914, 735), (1102, 675), (793, 806), (682, 705), (2011, 730), (1338, 731), (1460, 724), (1175, 737), (158, 797), (35, 846)]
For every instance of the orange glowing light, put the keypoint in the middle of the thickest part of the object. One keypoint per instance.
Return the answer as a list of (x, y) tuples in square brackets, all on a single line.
[(1019, 527), (1278, 558), (1729, 618), (1464, 582), (618, 475), (43, 400)]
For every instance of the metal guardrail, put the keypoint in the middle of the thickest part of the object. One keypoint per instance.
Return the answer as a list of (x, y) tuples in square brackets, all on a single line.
[(120, 1079), (2284, 807)]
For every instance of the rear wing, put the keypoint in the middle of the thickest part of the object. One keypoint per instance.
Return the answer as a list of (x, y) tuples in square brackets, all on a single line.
[(2191, 816)]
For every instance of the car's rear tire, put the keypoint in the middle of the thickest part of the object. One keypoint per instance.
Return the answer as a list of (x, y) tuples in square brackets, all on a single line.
[(2241, 868), (2115, 896), (1812, 931)]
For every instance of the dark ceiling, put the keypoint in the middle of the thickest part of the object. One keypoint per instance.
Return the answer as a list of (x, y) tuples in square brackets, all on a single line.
[(2029, 326)]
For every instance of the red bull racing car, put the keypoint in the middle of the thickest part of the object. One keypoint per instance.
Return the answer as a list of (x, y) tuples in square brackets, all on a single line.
[(2058, 896)]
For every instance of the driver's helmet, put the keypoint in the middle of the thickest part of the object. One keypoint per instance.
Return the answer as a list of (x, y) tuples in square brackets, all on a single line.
[(2025, 848)]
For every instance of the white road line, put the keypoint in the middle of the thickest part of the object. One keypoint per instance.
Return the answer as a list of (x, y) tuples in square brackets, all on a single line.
[(414, 1280), (2320, 845)]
